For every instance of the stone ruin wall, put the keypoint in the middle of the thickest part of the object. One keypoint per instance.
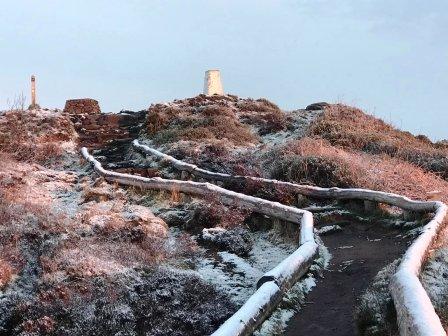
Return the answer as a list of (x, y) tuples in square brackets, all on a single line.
[(82, 106), (100, 130)]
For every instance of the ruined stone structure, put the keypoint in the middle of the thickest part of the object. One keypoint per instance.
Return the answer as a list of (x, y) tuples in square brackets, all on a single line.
[(103, 130), (100, 130), (82, 106), (212, 83)]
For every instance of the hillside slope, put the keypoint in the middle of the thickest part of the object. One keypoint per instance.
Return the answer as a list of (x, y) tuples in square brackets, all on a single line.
[(81, 256), (77, 255), (337, 146)]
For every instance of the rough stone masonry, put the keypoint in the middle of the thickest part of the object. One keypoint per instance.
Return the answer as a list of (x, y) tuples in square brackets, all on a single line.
[(101, 130), (82, 106)]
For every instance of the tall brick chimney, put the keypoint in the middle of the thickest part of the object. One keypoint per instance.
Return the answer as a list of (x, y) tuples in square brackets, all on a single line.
[(212, 83)]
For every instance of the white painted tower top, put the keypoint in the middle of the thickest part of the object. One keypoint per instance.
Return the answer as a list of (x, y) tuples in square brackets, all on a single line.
[(212, 83)]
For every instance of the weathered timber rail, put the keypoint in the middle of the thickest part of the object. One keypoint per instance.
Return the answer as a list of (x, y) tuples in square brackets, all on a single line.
[(415, 312), (274, 283)]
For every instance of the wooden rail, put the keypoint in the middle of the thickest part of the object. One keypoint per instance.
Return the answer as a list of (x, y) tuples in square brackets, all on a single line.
[(415, 312), (274, 283)]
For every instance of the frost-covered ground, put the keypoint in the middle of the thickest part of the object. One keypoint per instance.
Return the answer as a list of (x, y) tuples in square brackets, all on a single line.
[(238, 276), (271, 152), (294, 299), (301, 120), (77, 256), (435, 280), (103, 248)]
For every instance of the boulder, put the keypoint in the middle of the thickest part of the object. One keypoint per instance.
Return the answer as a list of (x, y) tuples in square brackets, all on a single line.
[(237, 241), (317, 106)]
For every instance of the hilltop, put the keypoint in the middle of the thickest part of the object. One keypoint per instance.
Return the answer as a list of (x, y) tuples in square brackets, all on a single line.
[(82, 256)]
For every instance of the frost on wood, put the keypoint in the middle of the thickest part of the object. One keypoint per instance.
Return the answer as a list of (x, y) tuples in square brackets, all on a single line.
[(291, 304), (258, 307), (416, 314), (261, 304)]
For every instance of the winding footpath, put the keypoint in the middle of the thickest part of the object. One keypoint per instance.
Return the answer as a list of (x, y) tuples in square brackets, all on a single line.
[(358, 252), (415, 313)]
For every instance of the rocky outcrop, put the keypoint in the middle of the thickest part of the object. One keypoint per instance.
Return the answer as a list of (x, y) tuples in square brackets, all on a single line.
[(317, 106), (236, 241)]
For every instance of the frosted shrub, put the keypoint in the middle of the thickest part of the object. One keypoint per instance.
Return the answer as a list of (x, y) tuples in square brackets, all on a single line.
[(375, 313), (435, 281)]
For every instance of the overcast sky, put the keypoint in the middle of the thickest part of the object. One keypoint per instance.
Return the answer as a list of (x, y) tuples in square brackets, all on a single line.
[(388, 57)]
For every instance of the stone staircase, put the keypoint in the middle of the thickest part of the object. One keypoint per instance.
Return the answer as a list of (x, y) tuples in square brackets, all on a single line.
[(109, 135)]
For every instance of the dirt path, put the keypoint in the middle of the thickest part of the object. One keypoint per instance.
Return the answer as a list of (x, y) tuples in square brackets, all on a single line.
[(329, 310)]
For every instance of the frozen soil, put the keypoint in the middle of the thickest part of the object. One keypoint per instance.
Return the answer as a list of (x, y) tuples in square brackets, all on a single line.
[(232, 265), (361, 249)]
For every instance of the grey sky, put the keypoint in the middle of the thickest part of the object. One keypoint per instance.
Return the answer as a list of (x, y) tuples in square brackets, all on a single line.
[(387, 57)]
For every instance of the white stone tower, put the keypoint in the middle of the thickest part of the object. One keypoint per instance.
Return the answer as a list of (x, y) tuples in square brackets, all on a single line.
[(212, 83)]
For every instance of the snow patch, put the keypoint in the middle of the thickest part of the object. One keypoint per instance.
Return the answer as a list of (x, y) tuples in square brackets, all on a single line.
[(329, 229), (238, 276)]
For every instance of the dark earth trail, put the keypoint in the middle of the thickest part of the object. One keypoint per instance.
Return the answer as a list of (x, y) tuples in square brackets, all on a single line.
[(330, 305)]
